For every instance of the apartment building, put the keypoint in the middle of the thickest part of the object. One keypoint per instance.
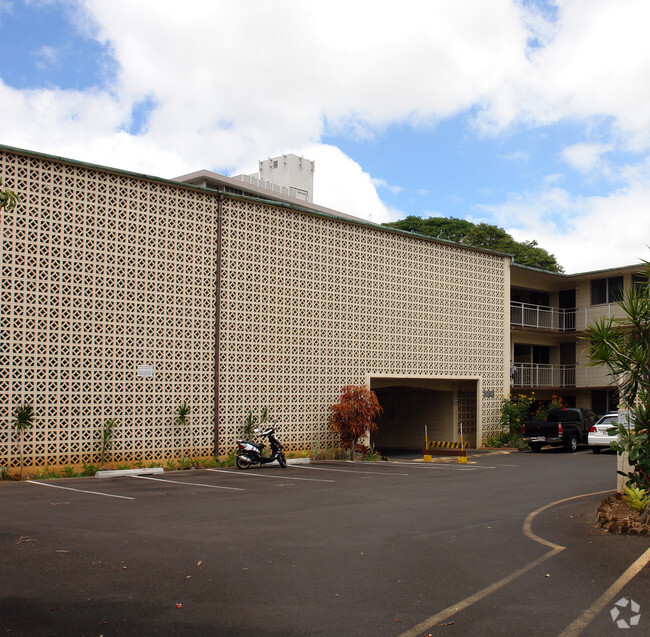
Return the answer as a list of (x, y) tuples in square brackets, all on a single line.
[(548, 316), (125, 295)]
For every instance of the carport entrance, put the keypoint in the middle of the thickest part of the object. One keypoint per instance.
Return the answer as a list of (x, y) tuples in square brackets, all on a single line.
[(411, 403)]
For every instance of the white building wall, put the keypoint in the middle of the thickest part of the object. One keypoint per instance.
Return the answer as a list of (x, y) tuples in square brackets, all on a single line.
[(291, 171)]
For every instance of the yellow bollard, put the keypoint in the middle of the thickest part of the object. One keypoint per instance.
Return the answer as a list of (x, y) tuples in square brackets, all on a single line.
[(462, 459), (427, 456)]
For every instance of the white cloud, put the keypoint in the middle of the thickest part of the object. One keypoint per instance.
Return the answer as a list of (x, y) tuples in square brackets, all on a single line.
[(518, 156), (585, 157), (584, 233), (233, 80), (47, 56), (382, 183), (341, 184), (6, 7), (236, 81), (596, 55)]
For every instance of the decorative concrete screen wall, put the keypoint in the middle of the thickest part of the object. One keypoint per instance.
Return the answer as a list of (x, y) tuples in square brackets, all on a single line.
[(311, 303), (102, 273), (109, 288)]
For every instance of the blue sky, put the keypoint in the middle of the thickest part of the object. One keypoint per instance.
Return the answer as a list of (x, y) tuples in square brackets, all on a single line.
[(532, 115)]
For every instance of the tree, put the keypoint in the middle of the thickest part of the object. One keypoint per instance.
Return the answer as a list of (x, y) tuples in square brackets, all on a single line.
[(480, 235), (23, 420), (8, 199), (623, 345), (353, 416)]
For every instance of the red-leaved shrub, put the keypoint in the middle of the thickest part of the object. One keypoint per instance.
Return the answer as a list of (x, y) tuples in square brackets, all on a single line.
[(354, 414)]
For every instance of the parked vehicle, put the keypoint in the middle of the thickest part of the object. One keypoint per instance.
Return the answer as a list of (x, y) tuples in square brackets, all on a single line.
[(566, 426), (249, 452), (603, 433)]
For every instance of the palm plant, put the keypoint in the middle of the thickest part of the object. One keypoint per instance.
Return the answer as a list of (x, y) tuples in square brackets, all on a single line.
[(182, 419), (23, 420), (107, 434), (8, 199)]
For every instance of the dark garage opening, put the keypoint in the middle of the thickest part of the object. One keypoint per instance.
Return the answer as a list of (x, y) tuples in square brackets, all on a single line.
[(411, 404)]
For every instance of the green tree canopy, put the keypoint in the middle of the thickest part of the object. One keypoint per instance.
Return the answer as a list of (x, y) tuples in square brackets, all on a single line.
[(481, 235)]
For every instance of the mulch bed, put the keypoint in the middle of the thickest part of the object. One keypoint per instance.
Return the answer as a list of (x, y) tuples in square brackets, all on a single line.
[(615, 516)]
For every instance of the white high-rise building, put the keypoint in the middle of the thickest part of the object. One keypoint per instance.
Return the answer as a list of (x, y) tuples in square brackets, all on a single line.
[(288, 174)]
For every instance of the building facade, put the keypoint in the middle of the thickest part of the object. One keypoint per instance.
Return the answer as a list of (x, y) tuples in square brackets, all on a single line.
[(124, 296), (549, 314)]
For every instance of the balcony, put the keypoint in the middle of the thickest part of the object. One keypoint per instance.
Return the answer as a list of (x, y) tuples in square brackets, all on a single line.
[(542, 317), (534, 375), (542, 375)]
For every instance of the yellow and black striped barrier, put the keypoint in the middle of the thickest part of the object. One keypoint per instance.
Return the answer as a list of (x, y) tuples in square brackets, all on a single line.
[(445, 448)]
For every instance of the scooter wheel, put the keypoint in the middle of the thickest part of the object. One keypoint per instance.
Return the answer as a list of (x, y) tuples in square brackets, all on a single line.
[(243, 462), (282, 461)]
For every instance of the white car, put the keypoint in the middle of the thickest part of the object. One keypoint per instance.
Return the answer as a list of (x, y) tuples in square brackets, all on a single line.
[(599, 436)]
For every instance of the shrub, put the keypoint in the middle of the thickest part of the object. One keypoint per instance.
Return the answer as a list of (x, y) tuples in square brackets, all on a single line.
[(515, 411), (353, 416), (637, 499)]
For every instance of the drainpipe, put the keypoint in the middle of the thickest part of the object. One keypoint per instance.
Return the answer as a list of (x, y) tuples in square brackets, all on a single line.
[(217, 324)]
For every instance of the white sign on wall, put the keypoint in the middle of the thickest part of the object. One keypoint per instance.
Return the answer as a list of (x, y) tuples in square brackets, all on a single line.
[(145, 371)]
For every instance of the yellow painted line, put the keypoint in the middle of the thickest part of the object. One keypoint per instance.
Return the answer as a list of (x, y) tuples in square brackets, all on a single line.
[(488, 590), (576, 627)]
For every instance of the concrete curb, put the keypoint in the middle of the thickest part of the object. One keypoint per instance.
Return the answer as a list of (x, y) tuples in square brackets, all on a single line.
[(114, 473), (298, 460)]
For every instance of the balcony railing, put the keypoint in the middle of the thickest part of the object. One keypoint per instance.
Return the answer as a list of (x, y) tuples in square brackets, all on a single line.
[(542, 317), (543, 375), (555, 318), (590, 314)]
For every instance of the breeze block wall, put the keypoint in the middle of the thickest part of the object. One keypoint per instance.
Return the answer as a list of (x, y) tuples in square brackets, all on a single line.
[(310, 303), (104, 272)]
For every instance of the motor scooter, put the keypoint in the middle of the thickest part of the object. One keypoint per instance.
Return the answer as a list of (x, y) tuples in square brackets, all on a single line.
[(249, 452)]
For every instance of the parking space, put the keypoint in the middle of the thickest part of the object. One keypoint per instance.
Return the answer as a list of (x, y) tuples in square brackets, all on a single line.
[(328, 548), (226, 479)]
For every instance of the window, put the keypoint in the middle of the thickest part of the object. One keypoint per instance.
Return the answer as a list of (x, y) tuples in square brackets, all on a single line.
[(531, 297), (536, 354), (640, 281), (604, 401), (606, 290)]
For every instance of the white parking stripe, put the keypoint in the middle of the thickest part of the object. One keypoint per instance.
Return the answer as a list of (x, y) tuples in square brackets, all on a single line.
[(263, 475), (380, 473), (57, 486), (190, 484), (448, 467)]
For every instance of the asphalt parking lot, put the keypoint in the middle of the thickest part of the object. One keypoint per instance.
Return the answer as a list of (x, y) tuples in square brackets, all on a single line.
[(505, 545)]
